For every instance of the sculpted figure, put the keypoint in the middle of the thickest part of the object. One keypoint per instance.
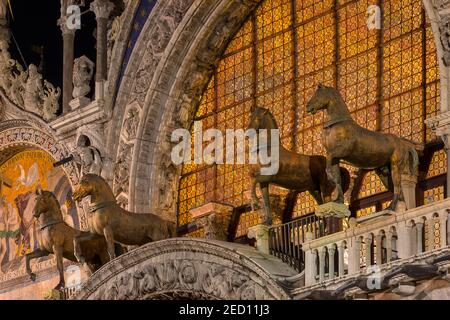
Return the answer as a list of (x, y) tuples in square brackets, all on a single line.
[(115, 223), (87, 157), (56, 237), (131, 123), (343, 138), (33, 89), (444, 27), (296, 171), (50, 105), (83, 70)]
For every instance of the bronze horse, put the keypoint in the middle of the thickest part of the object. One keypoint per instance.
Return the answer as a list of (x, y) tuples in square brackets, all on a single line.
[(344, 139), (117, 224), (297, 172), (56, 237)]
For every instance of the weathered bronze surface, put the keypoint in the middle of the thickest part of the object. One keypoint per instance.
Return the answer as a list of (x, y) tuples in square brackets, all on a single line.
[(56, 237), (115, 223), (297, 172), (344, 139)]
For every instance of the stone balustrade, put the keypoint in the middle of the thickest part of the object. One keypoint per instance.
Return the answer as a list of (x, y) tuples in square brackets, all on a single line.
[(376, 240)]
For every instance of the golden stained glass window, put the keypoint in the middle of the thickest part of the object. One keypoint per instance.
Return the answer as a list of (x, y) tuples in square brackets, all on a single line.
[(388, 77)]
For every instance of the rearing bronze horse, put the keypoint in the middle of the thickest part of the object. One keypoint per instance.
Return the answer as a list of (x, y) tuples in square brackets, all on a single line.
[(344, 139), (297, 172), (56, 237)]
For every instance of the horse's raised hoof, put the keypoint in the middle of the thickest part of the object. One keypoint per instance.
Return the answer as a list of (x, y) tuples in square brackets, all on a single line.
[(33, 277)]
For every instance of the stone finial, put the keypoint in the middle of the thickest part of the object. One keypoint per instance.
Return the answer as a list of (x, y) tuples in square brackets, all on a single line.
[(102, 8)]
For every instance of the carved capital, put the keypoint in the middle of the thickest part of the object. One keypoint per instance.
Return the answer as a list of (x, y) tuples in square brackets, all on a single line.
[(102, 8), (65, 30), (214, 218)]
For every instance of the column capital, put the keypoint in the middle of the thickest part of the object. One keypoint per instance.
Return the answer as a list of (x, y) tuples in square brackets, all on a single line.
[(331, 248), (102, 8), (62, 23)]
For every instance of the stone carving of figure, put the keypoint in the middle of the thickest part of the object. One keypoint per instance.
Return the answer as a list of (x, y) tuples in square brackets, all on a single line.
[(83, 70), (6, 64), (122, 171), (33, 89), (131, 123), (50, 105), (3, 12), (87, 157), (444, 27), (167, 179)]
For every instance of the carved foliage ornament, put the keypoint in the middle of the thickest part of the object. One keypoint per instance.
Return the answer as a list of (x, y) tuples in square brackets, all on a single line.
[(26, 89)]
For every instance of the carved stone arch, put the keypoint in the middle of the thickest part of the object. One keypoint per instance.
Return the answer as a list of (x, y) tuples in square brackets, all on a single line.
[(188, 268), (174, 91), (20, 135), (168, 71), (438, 11)]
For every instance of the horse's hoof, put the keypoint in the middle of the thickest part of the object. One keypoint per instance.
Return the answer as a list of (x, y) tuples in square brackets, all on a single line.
[(33, 277)]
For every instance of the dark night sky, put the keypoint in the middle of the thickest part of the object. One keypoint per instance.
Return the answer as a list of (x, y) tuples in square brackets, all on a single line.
[(35, 24)]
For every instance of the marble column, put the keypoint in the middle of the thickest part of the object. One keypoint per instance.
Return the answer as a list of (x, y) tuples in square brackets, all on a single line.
[(419, 230), (389, 238), (331, 252), (379, 248), (341, 252), (68, 56), (368, 250), (443, 228), (322, 254), (102, 10), (354, 262), (409, 183)]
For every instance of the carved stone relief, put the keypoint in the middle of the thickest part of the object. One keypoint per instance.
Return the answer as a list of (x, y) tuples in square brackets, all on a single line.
[(26, 89), (203, 270)]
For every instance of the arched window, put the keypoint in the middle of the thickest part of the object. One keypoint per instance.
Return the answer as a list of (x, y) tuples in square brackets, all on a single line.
[(388, 77)]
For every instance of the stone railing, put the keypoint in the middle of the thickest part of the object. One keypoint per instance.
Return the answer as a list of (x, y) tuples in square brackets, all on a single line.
[(376, 240), (285, 240)]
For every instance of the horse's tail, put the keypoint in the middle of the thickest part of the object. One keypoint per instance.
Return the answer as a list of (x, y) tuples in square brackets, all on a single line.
[(413, 161), (345, 179)]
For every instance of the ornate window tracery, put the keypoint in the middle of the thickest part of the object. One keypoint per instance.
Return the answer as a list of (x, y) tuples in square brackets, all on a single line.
[(388, 77)]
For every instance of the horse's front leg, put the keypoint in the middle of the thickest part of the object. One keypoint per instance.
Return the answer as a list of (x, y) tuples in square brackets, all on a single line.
[(77, 241), (58, 251), (334, 175), (267, 212), (109, 236), (33, 255), (255, 202)]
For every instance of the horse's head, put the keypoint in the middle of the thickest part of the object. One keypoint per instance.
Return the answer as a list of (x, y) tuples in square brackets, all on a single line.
[(46, 202), (94, 186), (320, 100), (85, 188), (261, 118)]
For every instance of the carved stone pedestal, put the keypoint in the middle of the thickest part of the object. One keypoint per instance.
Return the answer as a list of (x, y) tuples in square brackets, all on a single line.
[(214, 218), (332, 209), (79, 103), (260, 233)]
